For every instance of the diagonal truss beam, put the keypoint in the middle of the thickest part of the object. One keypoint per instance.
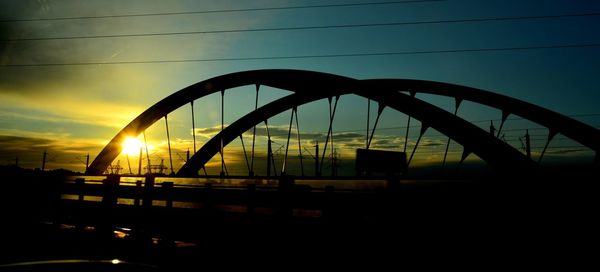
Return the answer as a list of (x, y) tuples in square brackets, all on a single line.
[(293, 80), (556, 122), (489, 148), (304, 83)]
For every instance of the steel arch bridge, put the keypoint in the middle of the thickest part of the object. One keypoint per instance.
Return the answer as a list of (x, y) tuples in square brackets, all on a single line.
[(398, 94)]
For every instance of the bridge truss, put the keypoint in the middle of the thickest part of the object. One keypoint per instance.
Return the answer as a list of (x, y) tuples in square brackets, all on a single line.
[(397, 94)]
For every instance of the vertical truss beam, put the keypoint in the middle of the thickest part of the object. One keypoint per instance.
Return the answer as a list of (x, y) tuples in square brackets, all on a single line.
[(457, 102), (368, 120), (380, 109), (193, 126), (245, 155), (222, 126), (270, 158), (147, 153), (254, 134), (287, 145), (169, 145), (299, 142), (505, 115), (551, 135), (412, 95), (464, 156), (330, 130), (423, 129)]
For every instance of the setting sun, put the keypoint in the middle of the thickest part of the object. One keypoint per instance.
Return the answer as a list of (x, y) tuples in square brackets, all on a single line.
[(131, 146)]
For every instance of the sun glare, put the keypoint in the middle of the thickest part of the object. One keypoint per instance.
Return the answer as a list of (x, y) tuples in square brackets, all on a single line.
[(131, 146)]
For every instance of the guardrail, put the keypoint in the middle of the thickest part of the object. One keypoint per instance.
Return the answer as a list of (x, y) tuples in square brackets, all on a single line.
[(147, 193)]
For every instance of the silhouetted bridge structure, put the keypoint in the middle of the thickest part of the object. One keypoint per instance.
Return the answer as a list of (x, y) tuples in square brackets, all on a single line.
[(275, 192), (322, 197), (206, 208), (398, 94)]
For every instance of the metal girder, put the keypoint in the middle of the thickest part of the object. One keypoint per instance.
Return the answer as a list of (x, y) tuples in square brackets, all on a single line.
[(556, 122), (293, 80), (492, 150), (308, 82)]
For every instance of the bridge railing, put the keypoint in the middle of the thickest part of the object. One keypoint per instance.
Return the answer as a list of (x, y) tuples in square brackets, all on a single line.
[(165, 192)]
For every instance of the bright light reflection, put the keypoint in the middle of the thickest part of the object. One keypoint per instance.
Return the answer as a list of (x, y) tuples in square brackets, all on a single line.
[(131, 146), (115, 261)]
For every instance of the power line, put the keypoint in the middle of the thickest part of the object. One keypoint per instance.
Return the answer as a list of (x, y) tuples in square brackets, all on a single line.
[(472, 20), (397, 53), (217, 11)]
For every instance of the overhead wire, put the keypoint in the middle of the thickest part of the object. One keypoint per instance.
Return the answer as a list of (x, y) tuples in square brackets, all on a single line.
[(396, 53), (291, 29), (11, 20), (315, 27)]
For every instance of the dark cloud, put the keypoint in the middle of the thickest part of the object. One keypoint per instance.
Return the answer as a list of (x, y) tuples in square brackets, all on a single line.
[(354, 145), (381, 142), (206, 132), (16, 143), (60, 153), (431, 144), (27, 151), (386, 146), (35, 144), (559, 151), (348, 136)]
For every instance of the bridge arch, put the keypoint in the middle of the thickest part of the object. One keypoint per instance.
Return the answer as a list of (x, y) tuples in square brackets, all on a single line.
[(555, 122), (306, 83), (492, 150), (293, 80)]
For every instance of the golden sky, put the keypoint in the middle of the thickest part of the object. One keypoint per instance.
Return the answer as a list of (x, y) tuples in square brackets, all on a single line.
[(65, 90)]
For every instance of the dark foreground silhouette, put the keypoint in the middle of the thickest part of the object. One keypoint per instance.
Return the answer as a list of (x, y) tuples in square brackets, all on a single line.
[(547, 213)]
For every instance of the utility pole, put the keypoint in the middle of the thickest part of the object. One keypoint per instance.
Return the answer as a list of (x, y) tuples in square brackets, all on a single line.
[(269, 154), (44, 161), (140, 163), (317, 160), (333, 163)]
